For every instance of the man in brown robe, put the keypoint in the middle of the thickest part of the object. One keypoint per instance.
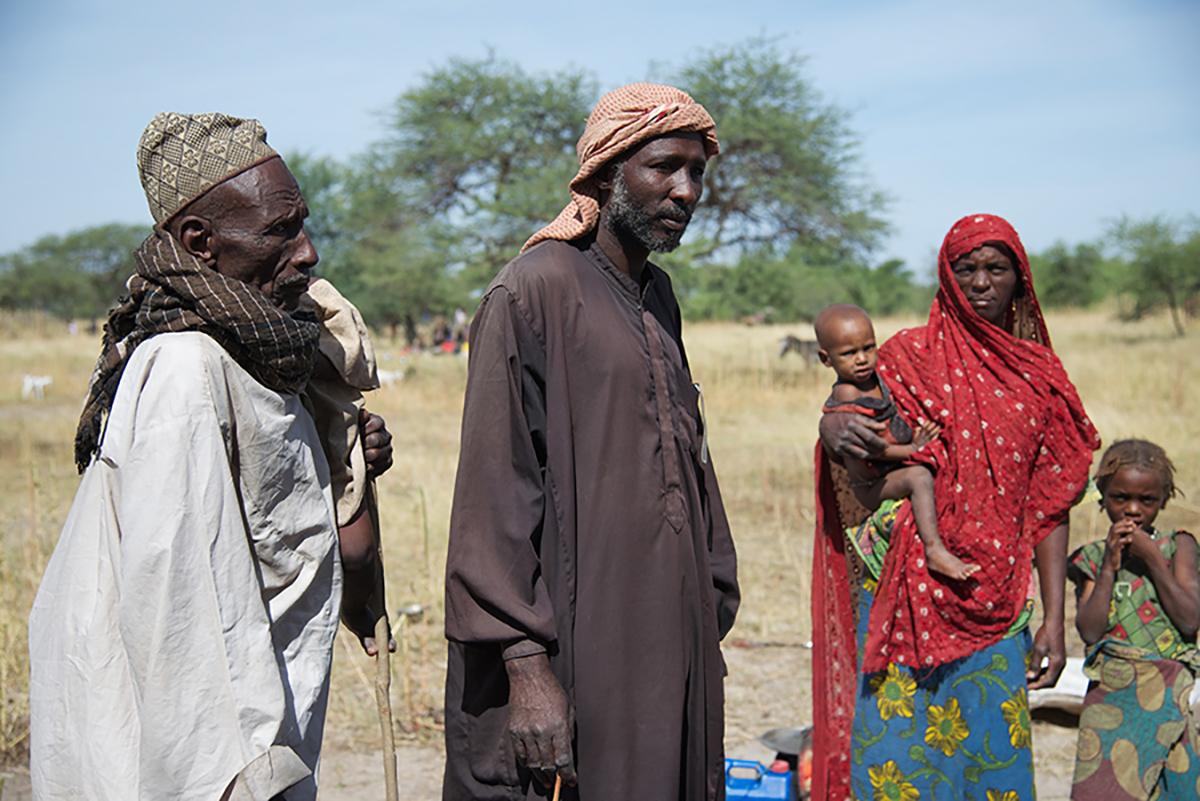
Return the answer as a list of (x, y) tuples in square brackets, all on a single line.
[(591, 573)]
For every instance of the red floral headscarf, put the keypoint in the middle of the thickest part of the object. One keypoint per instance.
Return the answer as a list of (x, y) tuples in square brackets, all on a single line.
[(1012, 459)]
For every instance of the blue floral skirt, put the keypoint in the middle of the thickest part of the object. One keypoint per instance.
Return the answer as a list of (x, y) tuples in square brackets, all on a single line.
[(958, 732)]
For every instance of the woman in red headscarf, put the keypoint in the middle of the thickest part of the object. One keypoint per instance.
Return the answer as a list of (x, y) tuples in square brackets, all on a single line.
[(920, 691)]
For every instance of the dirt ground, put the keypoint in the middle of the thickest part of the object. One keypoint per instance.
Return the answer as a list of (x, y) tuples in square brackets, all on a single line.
[(767, 687)]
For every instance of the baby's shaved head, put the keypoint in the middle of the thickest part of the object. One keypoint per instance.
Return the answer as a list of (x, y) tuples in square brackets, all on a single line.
[(831, 320)]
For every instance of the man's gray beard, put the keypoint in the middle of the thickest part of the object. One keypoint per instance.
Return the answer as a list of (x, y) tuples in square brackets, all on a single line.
[(625, 217)]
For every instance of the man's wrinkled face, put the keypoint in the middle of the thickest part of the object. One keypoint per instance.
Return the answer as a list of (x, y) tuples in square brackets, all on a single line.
[(655, 191), (260, 238)]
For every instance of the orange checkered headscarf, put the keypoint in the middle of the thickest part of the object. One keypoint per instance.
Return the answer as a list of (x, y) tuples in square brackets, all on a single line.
[(623, 119)]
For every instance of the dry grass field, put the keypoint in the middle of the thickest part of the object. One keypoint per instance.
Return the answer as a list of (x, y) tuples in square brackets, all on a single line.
[(1136, 379)]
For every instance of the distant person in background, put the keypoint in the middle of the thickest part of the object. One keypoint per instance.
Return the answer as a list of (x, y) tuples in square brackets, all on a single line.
[(591, 573), (919, 680), (440, 334), (1139, 610), (460, 324), (181, 639), (411, 338)]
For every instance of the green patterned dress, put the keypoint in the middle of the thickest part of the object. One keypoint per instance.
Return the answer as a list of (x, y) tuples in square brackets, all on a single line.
[(1137, 736)]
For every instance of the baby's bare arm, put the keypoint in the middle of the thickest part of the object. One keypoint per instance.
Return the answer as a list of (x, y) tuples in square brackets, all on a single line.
[(897, 453), (926, 432)]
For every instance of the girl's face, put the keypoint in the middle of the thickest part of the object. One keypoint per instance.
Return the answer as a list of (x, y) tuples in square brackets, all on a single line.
[(1136, 494)]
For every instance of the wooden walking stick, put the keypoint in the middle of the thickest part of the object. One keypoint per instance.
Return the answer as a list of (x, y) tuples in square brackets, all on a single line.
[(383, 662), (557, 785)]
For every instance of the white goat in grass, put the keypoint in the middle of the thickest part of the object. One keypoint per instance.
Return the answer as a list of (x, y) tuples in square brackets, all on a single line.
[(33, 387)]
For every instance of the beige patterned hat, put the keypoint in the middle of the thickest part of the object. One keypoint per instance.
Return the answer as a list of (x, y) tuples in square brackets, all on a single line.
[(181, 156)]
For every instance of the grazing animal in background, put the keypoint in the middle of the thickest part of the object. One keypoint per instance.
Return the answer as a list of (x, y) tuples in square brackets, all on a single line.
[(33, 387), (804, 348), (389, 377)]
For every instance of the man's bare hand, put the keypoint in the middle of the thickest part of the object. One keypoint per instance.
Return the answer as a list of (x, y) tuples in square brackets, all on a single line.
[(539, 719), (849, 434), (377, 443), (362, 579), (361, 621)]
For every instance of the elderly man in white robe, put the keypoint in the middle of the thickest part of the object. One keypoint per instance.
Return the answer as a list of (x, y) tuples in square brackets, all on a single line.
[(181, 640)]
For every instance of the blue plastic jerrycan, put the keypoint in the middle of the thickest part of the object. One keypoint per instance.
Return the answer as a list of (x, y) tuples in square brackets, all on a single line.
[(747, 779)]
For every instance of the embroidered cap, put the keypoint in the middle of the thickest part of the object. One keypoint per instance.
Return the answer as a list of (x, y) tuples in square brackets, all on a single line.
[(182, 156)]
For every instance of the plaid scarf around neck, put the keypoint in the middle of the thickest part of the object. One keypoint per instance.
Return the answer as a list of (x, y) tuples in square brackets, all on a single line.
[(173, 291)]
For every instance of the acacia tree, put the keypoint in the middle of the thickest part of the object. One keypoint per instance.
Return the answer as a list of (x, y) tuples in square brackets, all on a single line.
[(483, 150), (478, 155), (325, 182), (1162, 265), (787, 223), (787, 173), (1066, 276), (80, 274), (797, 284)]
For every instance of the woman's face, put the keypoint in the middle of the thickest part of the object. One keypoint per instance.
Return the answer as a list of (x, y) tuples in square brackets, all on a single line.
[(988, 278)]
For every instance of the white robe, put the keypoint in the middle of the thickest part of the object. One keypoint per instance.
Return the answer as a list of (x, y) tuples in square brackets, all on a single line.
[(183, 631)]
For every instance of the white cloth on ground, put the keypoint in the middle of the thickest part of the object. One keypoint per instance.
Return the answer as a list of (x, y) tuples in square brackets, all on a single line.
[(183, 632)]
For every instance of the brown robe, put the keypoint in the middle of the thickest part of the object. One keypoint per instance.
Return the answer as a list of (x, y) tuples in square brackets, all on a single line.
[(587, 521)]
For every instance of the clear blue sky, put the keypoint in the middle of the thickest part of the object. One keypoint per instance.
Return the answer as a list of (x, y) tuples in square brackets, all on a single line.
[(1057, 115)]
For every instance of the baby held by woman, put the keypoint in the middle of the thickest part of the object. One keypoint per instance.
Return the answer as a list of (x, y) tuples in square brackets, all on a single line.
[(846, 339)]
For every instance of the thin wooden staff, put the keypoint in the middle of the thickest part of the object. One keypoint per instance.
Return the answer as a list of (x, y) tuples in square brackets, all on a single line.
[(557, 785), (383, 662)]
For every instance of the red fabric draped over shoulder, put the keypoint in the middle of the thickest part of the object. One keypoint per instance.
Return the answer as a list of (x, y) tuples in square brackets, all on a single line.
[(834, 665), (1012, 458)]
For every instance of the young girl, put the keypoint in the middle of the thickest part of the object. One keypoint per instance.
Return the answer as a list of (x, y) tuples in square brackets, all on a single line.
[(1139, 609)]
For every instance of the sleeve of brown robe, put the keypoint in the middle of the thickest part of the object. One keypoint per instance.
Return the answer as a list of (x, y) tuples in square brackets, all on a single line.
[(494, 588), (722, 558)]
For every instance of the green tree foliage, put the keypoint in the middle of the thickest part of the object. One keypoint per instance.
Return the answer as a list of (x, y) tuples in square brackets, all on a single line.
[(325, 184), (486, 150), (80, 274), (397, 278), (795, 286), (1066, 276), (479, 153), (787, 172), (1162, 266)]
